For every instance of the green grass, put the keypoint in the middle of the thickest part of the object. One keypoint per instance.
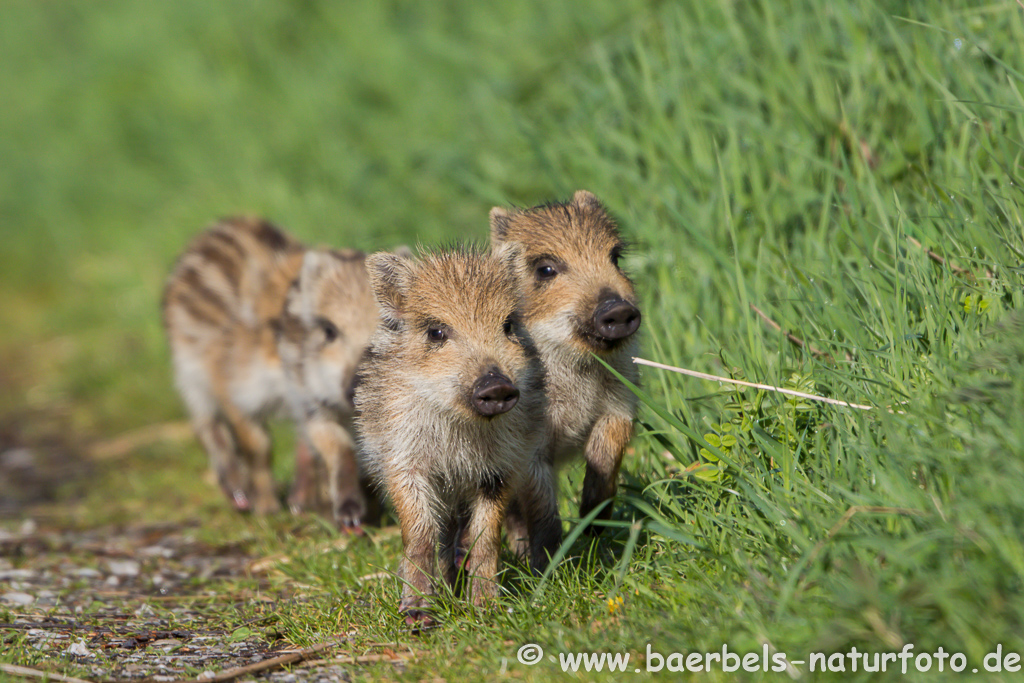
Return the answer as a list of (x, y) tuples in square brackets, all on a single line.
[(783, 155)]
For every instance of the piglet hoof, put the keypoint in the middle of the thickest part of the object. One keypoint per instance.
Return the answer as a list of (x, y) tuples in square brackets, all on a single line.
[(415, 611), (241, 501), (419, 619), (298, 502), (461, 558), (351, 527), (592, 529), (349, 517)]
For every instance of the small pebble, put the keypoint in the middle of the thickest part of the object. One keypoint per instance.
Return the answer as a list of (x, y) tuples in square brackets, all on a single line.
[(124, 567), (16, 574), (85, 573), (17, 459), (17, 598)]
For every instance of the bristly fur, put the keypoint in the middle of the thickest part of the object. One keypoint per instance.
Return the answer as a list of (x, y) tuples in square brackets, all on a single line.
[(258, 324), (448, 470), (588, 409)]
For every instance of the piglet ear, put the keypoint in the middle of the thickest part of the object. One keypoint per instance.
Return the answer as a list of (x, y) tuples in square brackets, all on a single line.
[(314, 263), (510, 256), (508, 253), (403, 251), (500, 219), (584, 198), (389, 277), (299, 302)]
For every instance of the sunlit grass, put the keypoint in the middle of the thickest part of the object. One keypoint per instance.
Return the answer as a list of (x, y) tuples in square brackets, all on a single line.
[(851, 170)]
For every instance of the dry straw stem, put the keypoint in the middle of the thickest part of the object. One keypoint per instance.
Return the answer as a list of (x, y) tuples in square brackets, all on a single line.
[(766, 387), (942, 261), (291, 658), (857, 509), (817, 353)]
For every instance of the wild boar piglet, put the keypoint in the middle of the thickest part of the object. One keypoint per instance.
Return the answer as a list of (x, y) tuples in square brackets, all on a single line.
[(258, 324), (578, 302), (448, 407)]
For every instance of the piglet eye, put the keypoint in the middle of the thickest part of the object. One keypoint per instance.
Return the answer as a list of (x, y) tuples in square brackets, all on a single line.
[(507, 328), (545, 271), (436, 335), (329, 329), (616, 255)]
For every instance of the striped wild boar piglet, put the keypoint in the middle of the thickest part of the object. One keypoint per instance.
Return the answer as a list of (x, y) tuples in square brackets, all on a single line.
[(258, 324), (577, 303), (448, 405)]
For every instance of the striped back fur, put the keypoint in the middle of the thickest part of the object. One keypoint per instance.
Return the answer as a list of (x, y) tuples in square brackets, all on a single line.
[(257, 323)]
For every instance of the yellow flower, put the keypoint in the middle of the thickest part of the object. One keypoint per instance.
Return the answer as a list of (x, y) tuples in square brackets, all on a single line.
[(614, 604)]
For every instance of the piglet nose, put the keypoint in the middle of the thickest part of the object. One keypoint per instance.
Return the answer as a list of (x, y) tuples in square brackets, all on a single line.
[(616, 319), (494, 394)]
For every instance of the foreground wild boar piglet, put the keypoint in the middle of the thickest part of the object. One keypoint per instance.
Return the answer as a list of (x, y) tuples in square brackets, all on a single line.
[(577, 302), (243, 296), (449, 401)]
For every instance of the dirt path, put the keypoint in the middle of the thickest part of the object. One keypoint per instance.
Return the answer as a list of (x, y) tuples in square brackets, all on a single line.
[(153, 603), (128, 603)]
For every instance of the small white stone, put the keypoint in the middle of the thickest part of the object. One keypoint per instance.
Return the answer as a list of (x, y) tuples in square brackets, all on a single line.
[(86, 573), (79, 649), (17, 598), (124, 567), (16, 574), (206, 675), (18, 459)]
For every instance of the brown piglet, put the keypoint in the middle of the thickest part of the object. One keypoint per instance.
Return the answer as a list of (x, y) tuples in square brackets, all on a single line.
[(578, 303), (258, 324), (449, 403)]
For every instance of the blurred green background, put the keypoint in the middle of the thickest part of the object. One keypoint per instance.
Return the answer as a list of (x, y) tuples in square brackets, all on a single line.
[(853, 170), (131, 126)]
